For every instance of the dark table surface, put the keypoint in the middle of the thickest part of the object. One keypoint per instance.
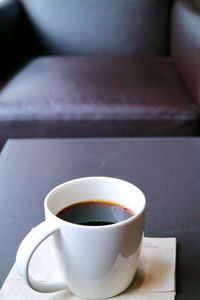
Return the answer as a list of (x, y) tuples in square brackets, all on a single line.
[(166, 169)]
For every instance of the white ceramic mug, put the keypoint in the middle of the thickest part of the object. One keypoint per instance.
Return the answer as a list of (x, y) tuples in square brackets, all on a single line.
[(93, 261)]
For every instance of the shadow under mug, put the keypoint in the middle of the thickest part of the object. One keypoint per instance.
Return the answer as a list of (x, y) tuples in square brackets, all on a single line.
[(93, 261)]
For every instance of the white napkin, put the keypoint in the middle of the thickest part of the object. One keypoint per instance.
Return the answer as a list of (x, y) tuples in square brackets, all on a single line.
[(155, 277)]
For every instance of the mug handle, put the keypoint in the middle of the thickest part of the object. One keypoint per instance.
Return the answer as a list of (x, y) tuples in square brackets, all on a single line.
[(26, 250)]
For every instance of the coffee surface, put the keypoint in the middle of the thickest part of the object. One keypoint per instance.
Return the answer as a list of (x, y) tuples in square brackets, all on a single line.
[(95, 213)]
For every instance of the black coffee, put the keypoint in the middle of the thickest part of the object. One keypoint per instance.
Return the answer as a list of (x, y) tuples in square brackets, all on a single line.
[(95, 213)]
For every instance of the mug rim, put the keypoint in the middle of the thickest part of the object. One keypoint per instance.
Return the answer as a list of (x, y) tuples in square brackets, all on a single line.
[(120, 223)]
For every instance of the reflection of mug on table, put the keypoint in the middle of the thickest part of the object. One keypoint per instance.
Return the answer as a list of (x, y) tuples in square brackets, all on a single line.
[(93, 261)]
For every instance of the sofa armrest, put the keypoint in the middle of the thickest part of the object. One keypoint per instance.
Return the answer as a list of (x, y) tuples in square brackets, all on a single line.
[(185, 43), (9, 21)]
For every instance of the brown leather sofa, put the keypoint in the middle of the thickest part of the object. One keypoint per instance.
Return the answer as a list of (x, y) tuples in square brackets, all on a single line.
[(100, 68)]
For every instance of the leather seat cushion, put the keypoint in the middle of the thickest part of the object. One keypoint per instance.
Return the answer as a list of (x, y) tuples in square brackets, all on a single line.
[(97, 96)]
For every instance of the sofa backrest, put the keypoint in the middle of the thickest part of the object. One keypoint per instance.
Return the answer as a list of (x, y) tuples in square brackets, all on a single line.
[(85, 27)]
